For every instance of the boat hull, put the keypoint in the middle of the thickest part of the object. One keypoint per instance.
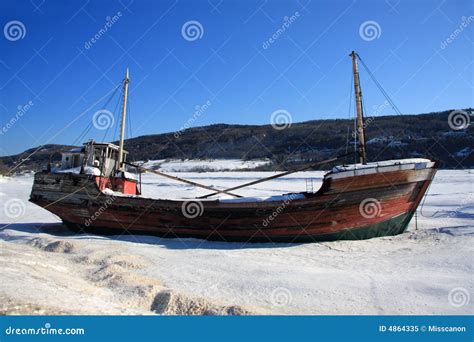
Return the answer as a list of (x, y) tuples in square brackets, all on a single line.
[(348, 206), (390, 227)]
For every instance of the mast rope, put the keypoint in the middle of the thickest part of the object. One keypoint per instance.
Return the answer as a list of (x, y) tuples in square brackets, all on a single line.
[(89, 126), (118, 117), (379, 86), (278, 175), (129, 117), (52, 137), (115, 115), (83, 133)]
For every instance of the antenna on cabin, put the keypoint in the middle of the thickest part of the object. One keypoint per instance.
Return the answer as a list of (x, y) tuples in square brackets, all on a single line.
[(360, 113), (122, 126)]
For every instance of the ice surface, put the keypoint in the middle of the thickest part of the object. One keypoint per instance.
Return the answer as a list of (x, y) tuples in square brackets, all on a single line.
[(47, 269), (177, 165)]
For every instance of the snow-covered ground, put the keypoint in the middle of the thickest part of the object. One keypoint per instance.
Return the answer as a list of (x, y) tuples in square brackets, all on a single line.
[(45, 269), (198, 165)]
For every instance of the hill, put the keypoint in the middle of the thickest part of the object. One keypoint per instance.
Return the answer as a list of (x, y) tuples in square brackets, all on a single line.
[(388, 137)]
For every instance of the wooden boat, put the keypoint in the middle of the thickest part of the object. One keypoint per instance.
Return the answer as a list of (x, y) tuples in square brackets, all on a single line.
[(357, 201)]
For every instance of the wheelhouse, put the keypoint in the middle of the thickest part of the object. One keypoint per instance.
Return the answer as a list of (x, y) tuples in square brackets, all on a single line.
[(100, 160)]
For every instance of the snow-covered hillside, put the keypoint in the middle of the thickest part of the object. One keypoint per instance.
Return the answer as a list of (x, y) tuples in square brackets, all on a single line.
[(46, 269)]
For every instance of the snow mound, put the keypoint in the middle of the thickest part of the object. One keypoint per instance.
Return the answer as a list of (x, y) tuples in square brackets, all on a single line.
[(117, 273), (171, 303), (58, 246)]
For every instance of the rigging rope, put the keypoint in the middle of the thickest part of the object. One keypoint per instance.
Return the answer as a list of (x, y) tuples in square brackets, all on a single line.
[(115, 118), (129, 116), (379, 86), (89, 126), (82, 135), (52, 137), (118, 124)]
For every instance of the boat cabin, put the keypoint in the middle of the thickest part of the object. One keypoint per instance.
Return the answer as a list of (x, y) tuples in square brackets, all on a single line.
[(103, 156), (102, 161), (72, 159)]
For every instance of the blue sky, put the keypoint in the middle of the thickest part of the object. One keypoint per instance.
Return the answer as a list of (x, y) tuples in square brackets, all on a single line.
[(306, 70)]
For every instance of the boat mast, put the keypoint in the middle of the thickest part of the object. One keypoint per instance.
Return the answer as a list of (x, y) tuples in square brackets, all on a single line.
[(360, 114), (122, 126)]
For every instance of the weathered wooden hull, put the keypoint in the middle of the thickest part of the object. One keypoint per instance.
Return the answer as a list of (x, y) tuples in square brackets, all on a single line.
[(353, 206)]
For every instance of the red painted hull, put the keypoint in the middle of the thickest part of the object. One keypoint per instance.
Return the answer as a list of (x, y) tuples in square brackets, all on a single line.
[(336, 211)]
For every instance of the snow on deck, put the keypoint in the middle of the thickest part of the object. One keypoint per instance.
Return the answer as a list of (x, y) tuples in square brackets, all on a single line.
[(420, 161), (88, 170), (47, 269)]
